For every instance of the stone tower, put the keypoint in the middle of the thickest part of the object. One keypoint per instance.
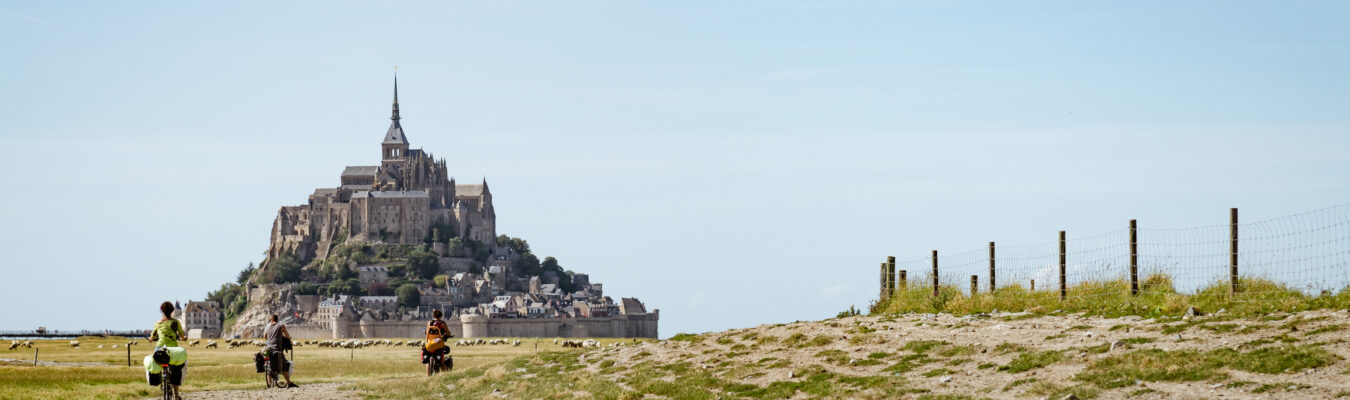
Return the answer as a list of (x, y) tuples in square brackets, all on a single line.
[(395, 145)]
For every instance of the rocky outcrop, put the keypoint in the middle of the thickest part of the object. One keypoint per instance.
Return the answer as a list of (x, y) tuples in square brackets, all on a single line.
[(264, 301)]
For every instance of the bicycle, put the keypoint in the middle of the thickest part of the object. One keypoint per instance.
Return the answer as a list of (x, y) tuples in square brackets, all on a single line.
[(270, 374), (162, 358), (437, 361), (164, 381)]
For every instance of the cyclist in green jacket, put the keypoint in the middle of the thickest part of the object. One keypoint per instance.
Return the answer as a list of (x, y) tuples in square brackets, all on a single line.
[(167, 332)]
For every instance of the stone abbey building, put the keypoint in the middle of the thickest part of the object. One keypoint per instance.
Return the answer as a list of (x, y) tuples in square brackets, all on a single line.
[(395, 202), (398, 202)]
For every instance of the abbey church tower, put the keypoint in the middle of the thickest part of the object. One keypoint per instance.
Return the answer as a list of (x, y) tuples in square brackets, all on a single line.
[(395, 144)]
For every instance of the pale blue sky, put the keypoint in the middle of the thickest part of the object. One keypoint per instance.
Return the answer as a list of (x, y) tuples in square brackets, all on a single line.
[(730, 163)]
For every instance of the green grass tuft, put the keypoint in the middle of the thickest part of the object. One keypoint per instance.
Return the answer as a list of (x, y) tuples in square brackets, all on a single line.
[(1031, 360)]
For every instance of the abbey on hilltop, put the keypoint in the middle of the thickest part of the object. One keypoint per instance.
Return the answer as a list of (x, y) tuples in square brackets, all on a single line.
[(396, 202), (374, 256)]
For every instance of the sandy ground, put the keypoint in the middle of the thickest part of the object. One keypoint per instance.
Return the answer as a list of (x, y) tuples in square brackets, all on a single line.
[(857, 337), (316, 391)]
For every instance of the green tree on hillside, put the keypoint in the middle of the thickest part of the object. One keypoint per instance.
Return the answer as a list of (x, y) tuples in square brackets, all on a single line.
[(408, 296), (283, 269), (550, 264), (528, 265), (423, 263), (456, 247), (245, 273)]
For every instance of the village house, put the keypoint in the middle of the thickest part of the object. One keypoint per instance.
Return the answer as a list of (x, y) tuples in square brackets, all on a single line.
[(202, 319), (371, 274)]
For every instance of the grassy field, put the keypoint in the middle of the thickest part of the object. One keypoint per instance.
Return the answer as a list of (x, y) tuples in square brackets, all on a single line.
[(369, 370)]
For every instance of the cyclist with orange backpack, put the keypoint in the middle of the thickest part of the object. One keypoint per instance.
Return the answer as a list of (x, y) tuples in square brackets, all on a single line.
[(437, 334)]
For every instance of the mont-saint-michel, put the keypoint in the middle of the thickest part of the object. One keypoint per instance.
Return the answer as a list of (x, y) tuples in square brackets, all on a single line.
[(374, 255)]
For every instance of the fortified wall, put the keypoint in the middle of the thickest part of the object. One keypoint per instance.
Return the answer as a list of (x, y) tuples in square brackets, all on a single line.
[(621, 326)]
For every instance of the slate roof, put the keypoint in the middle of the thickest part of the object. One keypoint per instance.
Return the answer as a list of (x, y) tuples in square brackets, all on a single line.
[(469, 190), (391, 194), (632, 306), (203, 306), (360, 171), (395, 134)]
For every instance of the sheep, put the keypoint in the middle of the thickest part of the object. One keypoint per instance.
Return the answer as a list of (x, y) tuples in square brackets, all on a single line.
[(113, 346), (75, 344), (14, 345), (100, 346), (515, 343), (211, 344), (194, 343)]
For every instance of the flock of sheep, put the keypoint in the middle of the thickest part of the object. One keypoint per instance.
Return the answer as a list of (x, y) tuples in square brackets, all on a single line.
[(346, 344), (583, 343), (28, 344), (14, 344)]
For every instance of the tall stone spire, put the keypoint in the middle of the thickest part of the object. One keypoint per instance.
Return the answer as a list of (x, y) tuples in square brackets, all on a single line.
[(395, 117), (395, 144)]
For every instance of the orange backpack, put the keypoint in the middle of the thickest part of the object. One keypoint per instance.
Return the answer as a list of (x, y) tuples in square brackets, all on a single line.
[(435, 337)]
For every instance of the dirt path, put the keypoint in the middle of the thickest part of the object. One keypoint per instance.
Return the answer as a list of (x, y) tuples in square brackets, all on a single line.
[(315, 391)]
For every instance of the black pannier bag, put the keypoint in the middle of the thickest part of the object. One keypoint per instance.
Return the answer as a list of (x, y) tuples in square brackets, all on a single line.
[(152, 379), (258, 362)]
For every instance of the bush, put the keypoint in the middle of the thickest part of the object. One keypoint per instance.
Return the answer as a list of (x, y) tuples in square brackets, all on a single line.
[(283, 269), (378, 289), (306, 288), (408, 296), (850, 312), (440, 280), (423, 264), (350, 287)]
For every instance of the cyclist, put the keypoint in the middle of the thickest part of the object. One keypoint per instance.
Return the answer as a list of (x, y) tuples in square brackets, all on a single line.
[(167, 332), (437, 334), (274, 334)]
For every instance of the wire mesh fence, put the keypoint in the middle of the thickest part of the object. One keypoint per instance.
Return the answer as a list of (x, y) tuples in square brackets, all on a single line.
[(1305, 254)]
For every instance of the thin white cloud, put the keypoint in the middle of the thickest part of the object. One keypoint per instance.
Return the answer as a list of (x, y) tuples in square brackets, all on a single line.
[(32, 19)]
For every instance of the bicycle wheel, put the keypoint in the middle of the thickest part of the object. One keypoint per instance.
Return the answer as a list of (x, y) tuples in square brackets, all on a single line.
[(164, 386)]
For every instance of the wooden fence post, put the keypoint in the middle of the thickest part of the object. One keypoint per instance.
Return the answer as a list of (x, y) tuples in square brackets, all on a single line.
[(1134, 258), (974, 285), (935, 274), (35, 351), (1063, 282), (128, 355), (1033, 285), (992, 285), (1233, 251), (904, 281), (881, 282), (890, 275)]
